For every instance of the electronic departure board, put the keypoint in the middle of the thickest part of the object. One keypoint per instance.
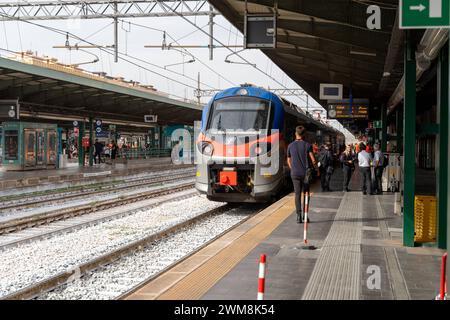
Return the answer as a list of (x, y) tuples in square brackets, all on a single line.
[(345, 111)]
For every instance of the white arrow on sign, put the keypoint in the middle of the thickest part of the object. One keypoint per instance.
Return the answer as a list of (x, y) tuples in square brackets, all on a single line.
[(420, 8)]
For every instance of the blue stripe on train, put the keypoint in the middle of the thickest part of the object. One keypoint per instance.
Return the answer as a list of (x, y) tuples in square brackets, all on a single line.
[(252, 92)]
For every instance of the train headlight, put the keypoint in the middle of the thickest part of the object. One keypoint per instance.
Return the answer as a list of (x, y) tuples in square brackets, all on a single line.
[(205, 148), (242, 92), (260, 149)]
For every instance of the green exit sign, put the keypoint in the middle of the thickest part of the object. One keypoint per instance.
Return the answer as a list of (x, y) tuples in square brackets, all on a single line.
[(419, 14), (377, 124)]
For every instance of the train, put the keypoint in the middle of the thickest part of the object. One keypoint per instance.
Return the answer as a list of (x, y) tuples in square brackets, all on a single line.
[(242, 143)]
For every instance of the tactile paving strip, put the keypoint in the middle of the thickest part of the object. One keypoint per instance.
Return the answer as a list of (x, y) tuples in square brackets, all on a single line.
[(336, 274)]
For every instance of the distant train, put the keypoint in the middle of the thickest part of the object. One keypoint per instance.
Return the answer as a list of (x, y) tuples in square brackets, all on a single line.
[(241, 149)]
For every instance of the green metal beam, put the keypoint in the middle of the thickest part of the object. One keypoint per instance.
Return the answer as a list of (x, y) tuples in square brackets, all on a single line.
[(442, 163), (383, 128), (80, 144), (91, 142), (399, 126), (409, 138)]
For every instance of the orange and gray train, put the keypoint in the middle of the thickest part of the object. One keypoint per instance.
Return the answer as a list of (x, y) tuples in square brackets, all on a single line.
[(241, 149)]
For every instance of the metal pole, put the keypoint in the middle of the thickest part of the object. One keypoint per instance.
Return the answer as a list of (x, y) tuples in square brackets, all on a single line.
[(91, 142), (80, 145), (409, 145), (307, 104), (116, 34), (198, 87), (211, 31), (442, 163), (384, 128)]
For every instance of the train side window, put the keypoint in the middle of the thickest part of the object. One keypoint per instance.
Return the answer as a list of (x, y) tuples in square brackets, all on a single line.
[(11, 145)]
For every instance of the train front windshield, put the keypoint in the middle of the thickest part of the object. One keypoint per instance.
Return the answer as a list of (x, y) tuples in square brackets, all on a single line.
[(239, 113)]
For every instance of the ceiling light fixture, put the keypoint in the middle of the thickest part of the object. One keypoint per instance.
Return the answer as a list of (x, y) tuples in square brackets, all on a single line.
[(362, 53)]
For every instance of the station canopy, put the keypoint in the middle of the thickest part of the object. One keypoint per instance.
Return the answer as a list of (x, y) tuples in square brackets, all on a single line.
[(49, 90), (323, 41)]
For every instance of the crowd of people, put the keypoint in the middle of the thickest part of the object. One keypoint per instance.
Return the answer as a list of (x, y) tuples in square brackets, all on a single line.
[(305, 160)]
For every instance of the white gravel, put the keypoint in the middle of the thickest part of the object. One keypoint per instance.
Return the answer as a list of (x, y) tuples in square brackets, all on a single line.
[(39, 260), (68, 203), (117, 278)]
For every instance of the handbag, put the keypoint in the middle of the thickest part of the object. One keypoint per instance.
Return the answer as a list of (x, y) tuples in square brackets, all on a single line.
[(308, 173), (308, 176), (330, 170)]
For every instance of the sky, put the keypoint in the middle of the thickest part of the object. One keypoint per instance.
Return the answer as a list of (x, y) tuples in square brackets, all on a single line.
[(154, 62)]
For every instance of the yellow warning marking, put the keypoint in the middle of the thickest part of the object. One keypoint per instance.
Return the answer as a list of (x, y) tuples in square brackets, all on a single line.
[(192, 278), (197, 283)]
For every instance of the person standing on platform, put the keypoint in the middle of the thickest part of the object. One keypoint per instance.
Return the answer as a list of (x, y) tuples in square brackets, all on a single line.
[(326, 167), (364, 161), (378, 161), (98, 151), (301, 161), (347, 159), (113, 150)]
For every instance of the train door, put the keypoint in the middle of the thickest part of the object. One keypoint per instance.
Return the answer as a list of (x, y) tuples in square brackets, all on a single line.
[(40, 147), (30, 147), (51, 148)]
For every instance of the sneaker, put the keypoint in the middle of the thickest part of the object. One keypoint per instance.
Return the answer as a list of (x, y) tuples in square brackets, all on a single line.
[(364, 193)]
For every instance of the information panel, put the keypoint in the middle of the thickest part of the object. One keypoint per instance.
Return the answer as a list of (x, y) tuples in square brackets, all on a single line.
[(345, 111)]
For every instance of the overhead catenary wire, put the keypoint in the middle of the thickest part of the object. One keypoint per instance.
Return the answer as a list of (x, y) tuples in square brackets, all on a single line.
[(59, 31), (236, 53), (199, 60)]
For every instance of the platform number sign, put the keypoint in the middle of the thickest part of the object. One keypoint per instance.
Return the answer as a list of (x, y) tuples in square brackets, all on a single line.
[(424, 14), (98, 126)]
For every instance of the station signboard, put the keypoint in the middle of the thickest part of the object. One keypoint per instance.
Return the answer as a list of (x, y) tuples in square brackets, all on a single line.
[(260, 31), (9, 109), (347, 111)]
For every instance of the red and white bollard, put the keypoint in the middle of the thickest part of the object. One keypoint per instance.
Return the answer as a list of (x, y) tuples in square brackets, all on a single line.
[(261, 277), (443, 287), (305, 222)]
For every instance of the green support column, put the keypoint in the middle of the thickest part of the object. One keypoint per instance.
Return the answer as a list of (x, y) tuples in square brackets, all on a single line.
[(442, 165), (383, 128), (91, 142), (399, 126), (80, 145), (409, 145)]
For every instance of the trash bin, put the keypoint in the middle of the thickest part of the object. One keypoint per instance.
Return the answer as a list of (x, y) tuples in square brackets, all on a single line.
[(425, 219)]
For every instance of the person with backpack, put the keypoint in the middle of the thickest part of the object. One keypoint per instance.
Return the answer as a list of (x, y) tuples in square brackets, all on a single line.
[(301, 162), (379, 163), (326, 167)]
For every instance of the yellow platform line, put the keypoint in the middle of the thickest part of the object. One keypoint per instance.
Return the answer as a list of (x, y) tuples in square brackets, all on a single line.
[(192, 278)]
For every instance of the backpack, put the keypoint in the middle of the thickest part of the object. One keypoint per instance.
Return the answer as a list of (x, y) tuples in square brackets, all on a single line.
[(385, 161)]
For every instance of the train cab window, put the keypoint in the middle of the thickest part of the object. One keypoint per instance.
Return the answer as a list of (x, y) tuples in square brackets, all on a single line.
[(11, 151), (239, 113)]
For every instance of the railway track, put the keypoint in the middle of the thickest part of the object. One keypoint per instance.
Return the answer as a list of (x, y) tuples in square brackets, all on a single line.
[(37, 289), (33, 200), (44, 232), (20, 223)]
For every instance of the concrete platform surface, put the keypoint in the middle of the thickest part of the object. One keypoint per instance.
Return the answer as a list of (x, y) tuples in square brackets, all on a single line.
[(358, 255)]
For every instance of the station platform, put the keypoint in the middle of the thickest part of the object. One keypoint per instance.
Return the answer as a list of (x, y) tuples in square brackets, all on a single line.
[(359, 255), (99, 172)]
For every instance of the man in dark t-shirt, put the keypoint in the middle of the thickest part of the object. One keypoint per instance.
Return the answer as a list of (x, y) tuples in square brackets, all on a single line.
[(300, 158)]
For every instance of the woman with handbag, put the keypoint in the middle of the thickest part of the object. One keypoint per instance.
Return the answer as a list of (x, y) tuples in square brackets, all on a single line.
[(348, 164), (326, 167), (301, 161)]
